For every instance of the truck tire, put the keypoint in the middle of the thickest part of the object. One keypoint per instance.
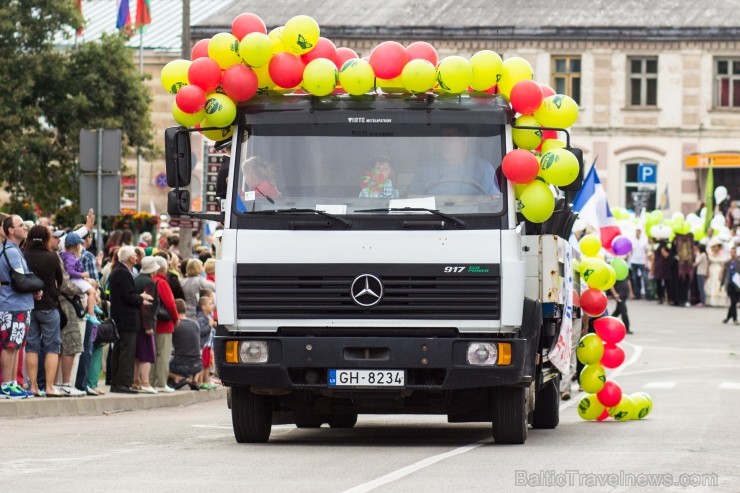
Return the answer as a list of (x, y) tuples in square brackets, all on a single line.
[(509, 418), (546, 414), (343, 420), (251, 415)]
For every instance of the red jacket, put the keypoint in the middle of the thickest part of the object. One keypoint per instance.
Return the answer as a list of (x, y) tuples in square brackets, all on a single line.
[(168, 300)]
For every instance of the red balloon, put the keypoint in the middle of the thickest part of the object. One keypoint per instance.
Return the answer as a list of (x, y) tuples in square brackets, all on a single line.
[(205, 73), (388, 59), (526, 97), (423, 50), (200, 49), (547, 91), (546, 134), (613, 356), (343, 54), (603, 416), (520, 166), (610, 394), (324, 49), (239, 83), (286, 69), (247, 23), (610, 329), (593, 302), (190, 99)]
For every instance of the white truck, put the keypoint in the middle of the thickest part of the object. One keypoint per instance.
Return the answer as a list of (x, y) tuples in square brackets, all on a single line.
[(425, 293)]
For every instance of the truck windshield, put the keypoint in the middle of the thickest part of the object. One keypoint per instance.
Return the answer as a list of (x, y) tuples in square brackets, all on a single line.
[(344, 168)]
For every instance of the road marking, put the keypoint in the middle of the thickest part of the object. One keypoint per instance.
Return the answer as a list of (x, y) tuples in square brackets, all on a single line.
[(405, 471), (730, 385), (659, 385)]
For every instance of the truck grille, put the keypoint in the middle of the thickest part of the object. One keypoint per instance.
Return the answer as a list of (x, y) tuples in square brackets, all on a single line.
[(292, 296)]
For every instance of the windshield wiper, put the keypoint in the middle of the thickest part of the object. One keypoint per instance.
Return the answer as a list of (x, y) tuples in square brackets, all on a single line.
[(345, 222), (436, 212)]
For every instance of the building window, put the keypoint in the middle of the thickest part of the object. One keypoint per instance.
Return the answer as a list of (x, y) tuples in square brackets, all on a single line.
[(640, 187), (727, 75), (566, 76), (643, 81)]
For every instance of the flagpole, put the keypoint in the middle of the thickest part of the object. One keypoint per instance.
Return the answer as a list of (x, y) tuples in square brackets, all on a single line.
[(138, 149)]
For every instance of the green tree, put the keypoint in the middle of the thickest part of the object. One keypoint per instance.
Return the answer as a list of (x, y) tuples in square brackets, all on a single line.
[(51, 94)]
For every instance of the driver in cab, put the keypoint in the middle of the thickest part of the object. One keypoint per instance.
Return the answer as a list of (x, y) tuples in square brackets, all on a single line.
[(455, 171)]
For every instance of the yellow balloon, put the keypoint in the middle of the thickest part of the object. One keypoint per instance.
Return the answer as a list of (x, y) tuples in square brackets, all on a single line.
[(220, 110), (264, 82), (590, 349), (356, 76), (590, 245), (515, 69), (589, 407), (595, 272), (611, 280), (224, 50), (320, 77), (487, 68), (256, 49), (624, 410), (550, 144), (454, 74), (187, 119), (301, 34), (419, 75), (536, 202), (174, 75), (643, 404), (559, 167), (557, 111), (525, 138), (219, 134), (394, 85), (592, 378), (276, 36)]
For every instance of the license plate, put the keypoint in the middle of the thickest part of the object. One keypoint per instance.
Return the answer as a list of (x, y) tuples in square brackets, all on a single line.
[(367, 378)]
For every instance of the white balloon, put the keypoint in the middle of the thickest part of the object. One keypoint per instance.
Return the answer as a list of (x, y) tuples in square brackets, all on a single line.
[(677, 215), (717, 222), (665, 231), (720, 193), (693, 219), (655, 231)]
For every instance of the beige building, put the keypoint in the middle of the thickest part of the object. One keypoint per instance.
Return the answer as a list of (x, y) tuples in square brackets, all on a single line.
[(658, 83)]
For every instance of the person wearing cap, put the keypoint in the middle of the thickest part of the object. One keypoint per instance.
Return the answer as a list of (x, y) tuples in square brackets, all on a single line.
[(89, 223), (78, 276), (145, 240), (145, 345)]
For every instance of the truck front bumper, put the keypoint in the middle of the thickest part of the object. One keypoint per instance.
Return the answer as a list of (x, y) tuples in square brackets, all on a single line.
[(430, 363)]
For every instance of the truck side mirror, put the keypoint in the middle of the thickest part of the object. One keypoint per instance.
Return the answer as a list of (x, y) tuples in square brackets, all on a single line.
[(178, 202), (177, 156), (576, 185)]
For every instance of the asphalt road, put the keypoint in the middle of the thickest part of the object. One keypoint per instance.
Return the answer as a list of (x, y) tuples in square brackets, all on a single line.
[(684, 357)]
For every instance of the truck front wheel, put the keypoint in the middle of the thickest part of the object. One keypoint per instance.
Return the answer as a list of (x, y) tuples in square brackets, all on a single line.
[(546, 414), (251, 415), (509, 408)]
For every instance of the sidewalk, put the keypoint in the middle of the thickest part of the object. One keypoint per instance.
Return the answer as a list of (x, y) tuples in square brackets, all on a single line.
[(103, 404)]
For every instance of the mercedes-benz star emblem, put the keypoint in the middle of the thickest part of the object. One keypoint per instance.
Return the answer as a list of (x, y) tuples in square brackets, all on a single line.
[(366, 290)]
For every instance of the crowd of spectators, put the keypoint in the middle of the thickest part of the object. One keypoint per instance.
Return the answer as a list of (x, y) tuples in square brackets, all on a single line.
[(161, 301)]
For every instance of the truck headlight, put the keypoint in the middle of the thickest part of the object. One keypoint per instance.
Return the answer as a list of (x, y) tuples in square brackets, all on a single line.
[(482, 353), (249, 352)]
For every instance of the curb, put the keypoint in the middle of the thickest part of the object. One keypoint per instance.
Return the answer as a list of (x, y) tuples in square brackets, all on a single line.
[(42, 407)]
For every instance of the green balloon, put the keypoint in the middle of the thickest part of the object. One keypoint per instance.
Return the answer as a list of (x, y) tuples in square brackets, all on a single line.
[(621, 268)]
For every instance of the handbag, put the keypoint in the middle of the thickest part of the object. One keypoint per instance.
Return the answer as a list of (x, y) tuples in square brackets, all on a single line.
[(76, 303), (107, 332), (22, 283), (163, 315)]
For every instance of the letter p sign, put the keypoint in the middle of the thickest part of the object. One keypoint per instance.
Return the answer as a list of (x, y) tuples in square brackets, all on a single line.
[(647, 173)]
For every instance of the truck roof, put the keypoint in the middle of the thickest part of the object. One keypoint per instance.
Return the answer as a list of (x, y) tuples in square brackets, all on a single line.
[(468, 109)]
